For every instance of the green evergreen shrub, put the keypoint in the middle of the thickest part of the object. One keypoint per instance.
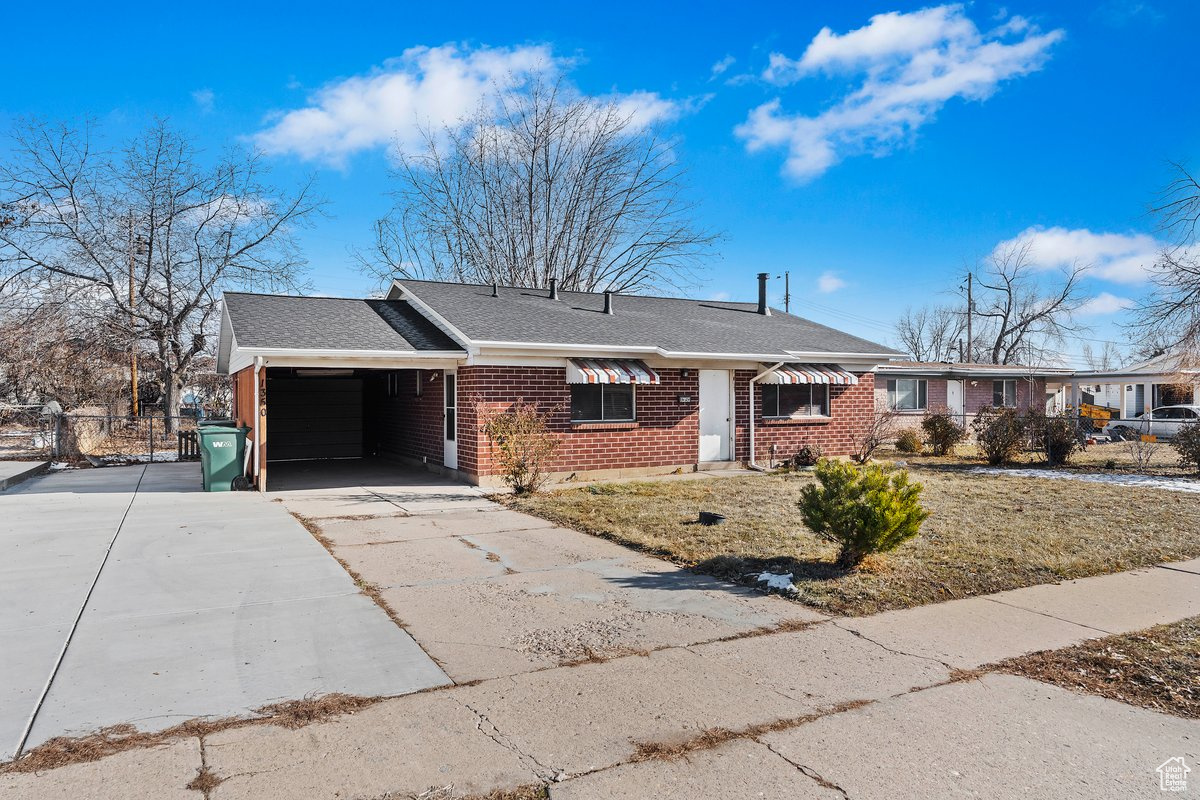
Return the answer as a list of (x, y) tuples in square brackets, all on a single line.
[(864, 510)]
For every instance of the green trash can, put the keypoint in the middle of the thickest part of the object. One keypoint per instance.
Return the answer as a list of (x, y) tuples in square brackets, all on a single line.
[(222, 456), (219, 423)]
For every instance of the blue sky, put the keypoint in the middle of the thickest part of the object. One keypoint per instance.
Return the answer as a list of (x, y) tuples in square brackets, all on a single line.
[(872, 149)]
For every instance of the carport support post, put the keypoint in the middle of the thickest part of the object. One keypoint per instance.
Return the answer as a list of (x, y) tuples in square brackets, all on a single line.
[(258, 423)]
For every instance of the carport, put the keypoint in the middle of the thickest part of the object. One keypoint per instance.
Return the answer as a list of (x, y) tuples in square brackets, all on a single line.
[(335, 416), (330, 380)]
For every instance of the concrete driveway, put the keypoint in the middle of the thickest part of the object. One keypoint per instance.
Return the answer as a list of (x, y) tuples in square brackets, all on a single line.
[(129, 596)]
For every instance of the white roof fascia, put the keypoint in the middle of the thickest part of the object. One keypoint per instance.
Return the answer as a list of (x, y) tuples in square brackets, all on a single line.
[(567, 350), (402, 292), (394, 355)]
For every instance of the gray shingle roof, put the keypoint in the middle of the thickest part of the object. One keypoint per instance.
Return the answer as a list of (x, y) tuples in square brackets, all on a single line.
[(673, 324), (331, 323)]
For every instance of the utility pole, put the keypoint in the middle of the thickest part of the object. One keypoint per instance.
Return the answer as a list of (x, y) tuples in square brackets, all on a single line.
[(970, 311), (787, 292), (133, 364)]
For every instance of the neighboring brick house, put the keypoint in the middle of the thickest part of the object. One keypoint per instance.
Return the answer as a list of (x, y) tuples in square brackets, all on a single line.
[(914, 387), (634, 384)]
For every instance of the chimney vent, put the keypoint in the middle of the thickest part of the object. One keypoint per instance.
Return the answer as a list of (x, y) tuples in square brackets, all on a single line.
[(554, 288), (608, 298), (495, 290), (763, 308)]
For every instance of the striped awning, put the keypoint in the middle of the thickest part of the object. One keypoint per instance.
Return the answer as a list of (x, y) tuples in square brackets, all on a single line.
[(811, 373), (609, 370)]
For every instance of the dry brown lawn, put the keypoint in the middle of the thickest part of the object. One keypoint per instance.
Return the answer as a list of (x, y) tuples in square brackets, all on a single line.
[(1158, 668), (986, 533)]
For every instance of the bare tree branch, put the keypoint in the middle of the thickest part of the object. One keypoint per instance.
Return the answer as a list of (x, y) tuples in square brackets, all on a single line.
[(550, 187), (78, 221)]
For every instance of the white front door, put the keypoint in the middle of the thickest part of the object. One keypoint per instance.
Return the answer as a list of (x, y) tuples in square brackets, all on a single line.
[(450, 455), (954, 397), (715, 417)]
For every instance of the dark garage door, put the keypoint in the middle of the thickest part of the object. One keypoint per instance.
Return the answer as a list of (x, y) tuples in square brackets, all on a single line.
[(309, 418)]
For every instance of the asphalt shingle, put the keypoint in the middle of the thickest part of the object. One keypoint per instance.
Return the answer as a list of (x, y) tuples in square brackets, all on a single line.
[(674, 324), (331, 323)]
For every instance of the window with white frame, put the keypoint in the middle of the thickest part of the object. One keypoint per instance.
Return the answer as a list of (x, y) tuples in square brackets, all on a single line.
[(782, 400), (1004, 393), (602, 402), (907, 394)]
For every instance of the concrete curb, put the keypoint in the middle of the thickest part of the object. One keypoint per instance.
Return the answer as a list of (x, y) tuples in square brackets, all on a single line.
[(35, 468)]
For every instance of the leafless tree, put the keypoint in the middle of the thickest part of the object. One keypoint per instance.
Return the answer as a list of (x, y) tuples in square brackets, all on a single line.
[(932, 333), (1027, 317), (49, 353), (1170, 316), (1106, 359), (86, 223), (550, 186)]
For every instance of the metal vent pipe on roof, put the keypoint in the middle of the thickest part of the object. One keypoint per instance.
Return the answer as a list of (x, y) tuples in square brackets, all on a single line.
[(608, 298), (495, 290), (763, 308), (554, 288)]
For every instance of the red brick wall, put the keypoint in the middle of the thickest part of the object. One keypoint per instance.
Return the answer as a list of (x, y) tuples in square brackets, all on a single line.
[(850, 410), (1029, 394), (665, 434), (408, 425)]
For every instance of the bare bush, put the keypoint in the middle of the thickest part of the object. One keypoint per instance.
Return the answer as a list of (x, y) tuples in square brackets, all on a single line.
[(522, 442), (873, 433), (1141, 449), (941, 432)]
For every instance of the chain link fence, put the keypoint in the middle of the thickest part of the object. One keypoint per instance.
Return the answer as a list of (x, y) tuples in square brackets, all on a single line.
[(102, 440), (27, 433), (35, 433)]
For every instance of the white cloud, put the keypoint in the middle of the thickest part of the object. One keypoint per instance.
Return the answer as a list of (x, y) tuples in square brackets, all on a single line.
[(647, 108), (1105, 303), (1118, 257), (425, 87), (908, 66), (722, 66), (204, 99), (829, 282)]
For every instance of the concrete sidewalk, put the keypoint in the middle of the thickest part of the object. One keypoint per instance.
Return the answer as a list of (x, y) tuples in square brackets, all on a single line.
[(920, 733)]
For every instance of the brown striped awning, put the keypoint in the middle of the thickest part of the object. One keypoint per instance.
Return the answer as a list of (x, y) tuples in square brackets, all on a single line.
[(609, 370), (811, 373)]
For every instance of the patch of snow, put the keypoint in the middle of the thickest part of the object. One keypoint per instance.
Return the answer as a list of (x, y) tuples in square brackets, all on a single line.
[(56, 466), (1113, 479), (141, 458), (781, 583)]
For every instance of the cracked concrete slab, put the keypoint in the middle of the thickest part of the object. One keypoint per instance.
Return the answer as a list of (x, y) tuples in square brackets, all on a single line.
[(1126, 601), (998, 737), (590, 717), (155, 773), (519, 623), (967, 633), (425, 562), (399, 747), (547, 548), (1192, 566), (824, 666), (740, 768), (494, 519)]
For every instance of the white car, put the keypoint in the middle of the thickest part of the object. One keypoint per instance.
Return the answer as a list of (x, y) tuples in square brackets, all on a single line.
[(1163, 422)]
